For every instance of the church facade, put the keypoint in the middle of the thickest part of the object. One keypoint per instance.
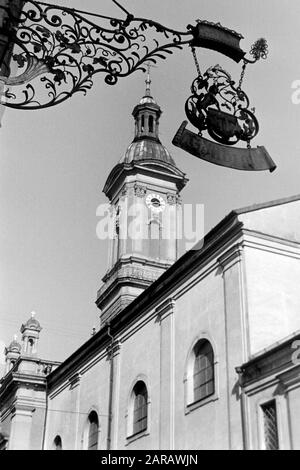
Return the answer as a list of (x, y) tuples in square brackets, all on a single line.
[(196, 352)]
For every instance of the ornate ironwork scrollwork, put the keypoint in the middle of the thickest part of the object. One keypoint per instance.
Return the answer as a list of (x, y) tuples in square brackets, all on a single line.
[(259, 50), (60, 50), (221, 108)]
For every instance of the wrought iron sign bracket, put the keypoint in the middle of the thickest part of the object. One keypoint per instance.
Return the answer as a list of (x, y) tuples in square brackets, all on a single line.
[(58, 50)]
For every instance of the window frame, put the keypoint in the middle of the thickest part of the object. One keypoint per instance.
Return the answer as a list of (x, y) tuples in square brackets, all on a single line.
[(132, 436), (188, 381), (90, 424), (262, 405), (203, 369), (142, 408), (55, 444)]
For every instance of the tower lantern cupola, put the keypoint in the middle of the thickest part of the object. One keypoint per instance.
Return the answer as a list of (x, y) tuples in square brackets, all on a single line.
[(30, 335), (12, 354), (146, 115)]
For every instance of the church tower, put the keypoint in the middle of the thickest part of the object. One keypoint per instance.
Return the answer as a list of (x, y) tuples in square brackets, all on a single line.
[(144, 193), (30, 336)]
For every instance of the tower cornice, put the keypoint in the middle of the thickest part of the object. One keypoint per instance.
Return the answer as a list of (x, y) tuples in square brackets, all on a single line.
[(147, 105), (159, 169)]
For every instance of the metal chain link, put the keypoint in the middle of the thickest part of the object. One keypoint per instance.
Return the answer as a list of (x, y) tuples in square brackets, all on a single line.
[(196, 62), (242, 75)]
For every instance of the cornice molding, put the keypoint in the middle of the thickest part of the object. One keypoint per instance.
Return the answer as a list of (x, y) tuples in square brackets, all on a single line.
[(156, 168), (24, 409), (114, 348), (290, 379), (278, 246), (74, 380), (275, 363), (250, 233)]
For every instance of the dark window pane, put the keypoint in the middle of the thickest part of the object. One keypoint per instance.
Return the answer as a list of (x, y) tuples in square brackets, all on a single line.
[(93, 431), (58, 443), (203, 377), (140, 407), (270, 426), (150, 123)]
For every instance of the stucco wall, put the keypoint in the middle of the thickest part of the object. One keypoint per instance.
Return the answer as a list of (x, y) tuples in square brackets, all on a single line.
[(273, 279), (282, 221), (200, 314), (140, 359), (70, 405), (156, 349), (293, 410)]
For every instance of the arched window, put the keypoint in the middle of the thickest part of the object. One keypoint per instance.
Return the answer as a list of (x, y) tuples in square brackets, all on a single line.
[(30, 349), (57, 443), (93, 431), (203, 373), (140, 410)]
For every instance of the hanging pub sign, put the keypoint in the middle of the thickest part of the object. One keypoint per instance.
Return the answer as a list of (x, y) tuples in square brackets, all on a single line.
[(251, 159), (221, 108)]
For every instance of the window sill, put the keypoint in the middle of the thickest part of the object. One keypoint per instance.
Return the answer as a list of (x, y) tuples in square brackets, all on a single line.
[(198, 404), (135, 437)]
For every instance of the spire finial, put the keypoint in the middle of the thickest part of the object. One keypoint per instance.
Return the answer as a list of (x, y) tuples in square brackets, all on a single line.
[(15, 337), (148, 79), (33, 314)]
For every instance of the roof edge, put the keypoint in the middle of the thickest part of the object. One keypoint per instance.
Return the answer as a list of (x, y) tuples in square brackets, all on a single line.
[(265, 205)]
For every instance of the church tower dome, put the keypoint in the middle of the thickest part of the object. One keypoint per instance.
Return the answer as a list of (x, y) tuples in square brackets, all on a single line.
[(145, 149), (12, 354), (146, 144), (144, 193)]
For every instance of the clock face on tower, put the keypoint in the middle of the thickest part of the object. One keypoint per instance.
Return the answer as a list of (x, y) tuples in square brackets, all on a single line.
[(155, 202)]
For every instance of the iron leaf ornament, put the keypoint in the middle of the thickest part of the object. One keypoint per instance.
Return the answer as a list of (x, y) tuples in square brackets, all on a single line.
[(58, 51)]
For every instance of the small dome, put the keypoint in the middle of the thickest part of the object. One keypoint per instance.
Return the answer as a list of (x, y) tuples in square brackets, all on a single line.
[(147, 149), (14, 346), (32, 323), (148, 100)]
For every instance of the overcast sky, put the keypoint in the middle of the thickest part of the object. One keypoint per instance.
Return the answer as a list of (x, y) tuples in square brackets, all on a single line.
[(54, 163)]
